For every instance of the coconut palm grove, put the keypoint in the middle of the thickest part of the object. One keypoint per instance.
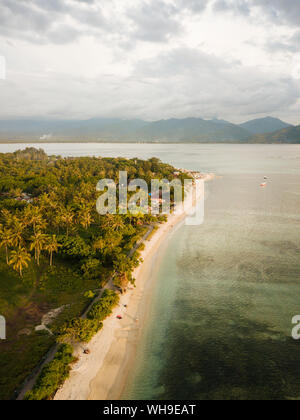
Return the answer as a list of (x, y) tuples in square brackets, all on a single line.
[(57, 252)]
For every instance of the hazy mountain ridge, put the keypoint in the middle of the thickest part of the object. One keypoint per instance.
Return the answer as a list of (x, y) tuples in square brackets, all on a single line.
[(188, 130), (191, 129), (264, 125), (289, 135)]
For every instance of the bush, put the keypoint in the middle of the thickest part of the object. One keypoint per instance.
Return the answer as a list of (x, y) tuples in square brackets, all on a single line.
[(92, 268), (74, 247), (53, 375), (89, 294), (79, 329), (104, 307)]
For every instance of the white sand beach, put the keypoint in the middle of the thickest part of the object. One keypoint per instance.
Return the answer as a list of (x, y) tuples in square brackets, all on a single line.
[(102, 374)]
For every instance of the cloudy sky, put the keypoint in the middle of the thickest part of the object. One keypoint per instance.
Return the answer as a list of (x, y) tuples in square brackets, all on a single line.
[(150, 59)]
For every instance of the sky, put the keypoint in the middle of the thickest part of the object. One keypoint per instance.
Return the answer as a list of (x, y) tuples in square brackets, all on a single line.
[(150, 59)]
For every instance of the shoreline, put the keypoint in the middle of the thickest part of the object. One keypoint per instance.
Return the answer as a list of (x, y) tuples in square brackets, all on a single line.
[(80, 141), (120, 360), (103, 373)]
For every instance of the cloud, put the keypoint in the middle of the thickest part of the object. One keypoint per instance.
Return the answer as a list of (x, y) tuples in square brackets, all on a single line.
[(33, 21), (281, 11), (154, 21), (55, 21), (137, 20), (289, 44), (196, 6), (277, 11), (181, 82), (43, 21), (150, 58), (236, 6), (190, 82)]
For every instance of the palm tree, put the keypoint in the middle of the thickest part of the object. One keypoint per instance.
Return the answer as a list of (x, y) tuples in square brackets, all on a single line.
[(99, 244), (38, 242), (41, 225), (19, 259), (17, 232), (33, 217), (67, 218), (52, 246), (48, 207), (113, 222), (85, 218), (45, 202), (16, 192), (6, 241), (7, 216)]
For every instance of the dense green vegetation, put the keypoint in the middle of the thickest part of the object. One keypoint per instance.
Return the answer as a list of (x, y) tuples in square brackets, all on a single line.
[(104, 307), (56, 251), (83, 330), (53, 375), (79, 329), (19, 357)]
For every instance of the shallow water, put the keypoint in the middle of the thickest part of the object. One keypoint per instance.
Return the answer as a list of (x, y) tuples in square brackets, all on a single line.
[(221, 314), (226, 294)]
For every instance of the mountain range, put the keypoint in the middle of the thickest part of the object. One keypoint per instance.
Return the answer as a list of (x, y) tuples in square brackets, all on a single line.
[(289, 135), (264, 125), (188, 130)]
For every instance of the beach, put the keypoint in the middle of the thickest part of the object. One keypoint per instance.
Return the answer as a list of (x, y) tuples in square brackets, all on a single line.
[(102, 374)]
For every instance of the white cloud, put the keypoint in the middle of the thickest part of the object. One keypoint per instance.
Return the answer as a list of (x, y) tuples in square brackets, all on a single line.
[(150, 58)]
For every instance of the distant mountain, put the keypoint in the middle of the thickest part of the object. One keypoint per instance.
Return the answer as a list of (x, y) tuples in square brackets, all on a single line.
[(191, 130), (264, 125), (188, 130), (106, 128), (289, 135), (99, 129)]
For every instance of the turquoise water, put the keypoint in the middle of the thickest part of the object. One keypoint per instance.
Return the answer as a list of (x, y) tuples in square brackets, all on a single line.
[(226, 291)]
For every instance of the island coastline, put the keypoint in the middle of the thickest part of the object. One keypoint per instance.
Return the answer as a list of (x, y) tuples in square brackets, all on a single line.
[(103, 373)]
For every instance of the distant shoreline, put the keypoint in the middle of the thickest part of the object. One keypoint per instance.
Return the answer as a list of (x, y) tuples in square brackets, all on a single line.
[(118, 142), (33, 142)]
